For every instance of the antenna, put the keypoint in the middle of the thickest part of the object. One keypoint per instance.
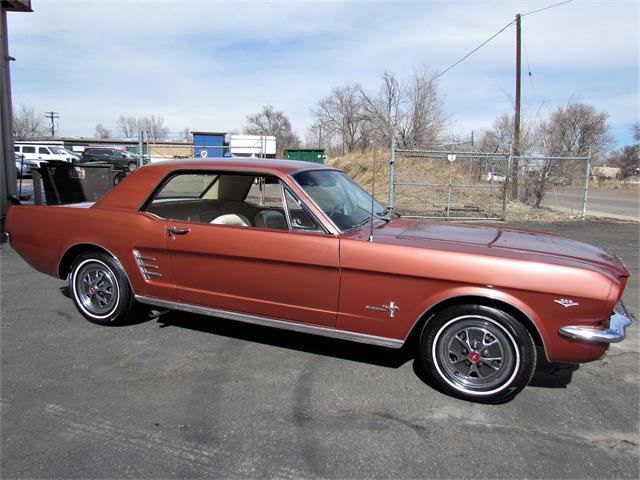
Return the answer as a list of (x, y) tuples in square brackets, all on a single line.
[(373, 192)]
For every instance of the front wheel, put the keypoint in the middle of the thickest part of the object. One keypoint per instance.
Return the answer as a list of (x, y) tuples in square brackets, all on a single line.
[(100, 289), (131, 166), (477, 353)]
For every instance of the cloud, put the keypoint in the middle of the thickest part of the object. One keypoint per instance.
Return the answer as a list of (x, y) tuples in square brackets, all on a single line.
[(208, 65)]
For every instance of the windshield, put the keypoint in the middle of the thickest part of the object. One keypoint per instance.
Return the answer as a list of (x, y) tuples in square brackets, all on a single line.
[(58, 150), (344, 202)]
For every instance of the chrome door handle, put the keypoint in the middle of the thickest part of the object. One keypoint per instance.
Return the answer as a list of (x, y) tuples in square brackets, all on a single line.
[(173, 231)]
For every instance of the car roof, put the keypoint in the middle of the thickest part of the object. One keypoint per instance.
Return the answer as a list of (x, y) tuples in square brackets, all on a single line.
[(242, 163), (135, 189)]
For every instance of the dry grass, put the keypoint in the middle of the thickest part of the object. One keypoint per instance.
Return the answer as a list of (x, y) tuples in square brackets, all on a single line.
[(470, 194), (359, 166), (429, 199)]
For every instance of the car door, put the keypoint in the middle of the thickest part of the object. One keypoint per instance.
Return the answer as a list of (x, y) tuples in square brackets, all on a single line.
[(273, 270)]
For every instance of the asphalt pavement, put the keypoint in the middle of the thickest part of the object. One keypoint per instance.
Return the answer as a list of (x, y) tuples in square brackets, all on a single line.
[(183, 396), (622, 203)]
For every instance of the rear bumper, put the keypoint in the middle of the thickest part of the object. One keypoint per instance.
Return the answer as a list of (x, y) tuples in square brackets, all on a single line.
[(618, 322)]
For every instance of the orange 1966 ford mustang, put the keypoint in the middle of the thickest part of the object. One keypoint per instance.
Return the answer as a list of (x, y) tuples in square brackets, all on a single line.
[(288, 244)]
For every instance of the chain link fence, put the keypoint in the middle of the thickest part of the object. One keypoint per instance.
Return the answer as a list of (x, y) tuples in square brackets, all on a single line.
[(464, 185), (448, 184)]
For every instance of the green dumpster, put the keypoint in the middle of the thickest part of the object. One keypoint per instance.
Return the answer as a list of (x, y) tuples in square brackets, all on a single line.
[(315, 155)]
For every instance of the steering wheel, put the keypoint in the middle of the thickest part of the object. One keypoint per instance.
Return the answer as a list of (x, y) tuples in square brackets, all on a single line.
[(335, 209)]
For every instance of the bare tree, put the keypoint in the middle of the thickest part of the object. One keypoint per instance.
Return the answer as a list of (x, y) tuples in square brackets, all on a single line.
[(500, 137), (425, 118), (342, 115), (186, 135), (154, 126), (128, 126), (276, 123), (27, 123), (102, 131), (386, 110), (576, 130), (628, 157), (412, 110)]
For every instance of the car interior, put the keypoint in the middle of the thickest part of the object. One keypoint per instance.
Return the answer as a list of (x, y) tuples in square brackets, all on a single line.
[(232, 200)]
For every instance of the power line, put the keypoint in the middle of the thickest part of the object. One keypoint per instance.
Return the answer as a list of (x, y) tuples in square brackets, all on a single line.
[(476, 49), (498, 33), (546, 8), (52, 116)]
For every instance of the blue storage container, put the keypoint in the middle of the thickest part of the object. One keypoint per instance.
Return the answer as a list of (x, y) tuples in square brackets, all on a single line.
[(208, 144)]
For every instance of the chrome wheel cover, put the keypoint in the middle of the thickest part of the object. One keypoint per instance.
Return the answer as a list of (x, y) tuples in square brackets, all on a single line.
[(96, 288), (476, 355)]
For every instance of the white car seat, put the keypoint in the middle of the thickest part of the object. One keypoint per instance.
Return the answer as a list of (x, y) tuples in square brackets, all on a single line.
[(232, 219)]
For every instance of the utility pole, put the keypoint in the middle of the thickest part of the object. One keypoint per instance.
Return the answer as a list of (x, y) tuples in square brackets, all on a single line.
[(52, 116), (516, 119)]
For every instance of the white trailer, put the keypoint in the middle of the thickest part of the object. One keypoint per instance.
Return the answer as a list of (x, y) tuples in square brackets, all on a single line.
[(252, 145)]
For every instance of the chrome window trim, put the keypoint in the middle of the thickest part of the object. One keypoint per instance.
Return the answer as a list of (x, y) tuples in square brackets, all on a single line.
[(285, 207), (313, 202), (316, 169), (273, 322), (312, 169), (322, 228)]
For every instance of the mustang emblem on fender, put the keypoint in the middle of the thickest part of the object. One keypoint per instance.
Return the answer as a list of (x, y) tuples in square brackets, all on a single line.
[(392, 308), (566, 302)]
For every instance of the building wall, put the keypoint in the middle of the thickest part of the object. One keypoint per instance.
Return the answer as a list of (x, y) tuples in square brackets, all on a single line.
[(208, 145), (170, 150)]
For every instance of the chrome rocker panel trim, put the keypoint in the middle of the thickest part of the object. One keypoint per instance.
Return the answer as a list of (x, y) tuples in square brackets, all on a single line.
[(272, 322), (618, 322)]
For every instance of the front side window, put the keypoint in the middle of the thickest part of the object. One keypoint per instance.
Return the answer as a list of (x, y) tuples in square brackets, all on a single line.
[(342, 200), (43, 150), (300, 218), (254, 201)]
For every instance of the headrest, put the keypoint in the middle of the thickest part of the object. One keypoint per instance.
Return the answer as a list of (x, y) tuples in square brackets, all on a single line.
[(271, 219), (232, 219)]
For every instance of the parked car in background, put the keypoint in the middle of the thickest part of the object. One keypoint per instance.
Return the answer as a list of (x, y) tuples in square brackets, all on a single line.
[(74, 156), (40, 152), (558, 180), (496, 177), (117, 157), (300, 246), (24, 166)]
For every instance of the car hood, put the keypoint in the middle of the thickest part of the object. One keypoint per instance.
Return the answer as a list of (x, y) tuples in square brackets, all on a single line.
[(497, 241)]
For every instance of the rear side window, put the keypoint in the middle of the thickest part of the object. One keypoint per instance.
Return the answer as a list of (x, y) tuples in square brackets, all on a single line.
[(28, 149), (16, 149), (187, 186), (232, 199)]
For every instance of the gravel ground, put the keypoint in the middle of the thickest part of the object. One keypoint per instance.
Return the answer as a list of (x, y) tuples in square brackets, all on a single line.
[(185, 396)]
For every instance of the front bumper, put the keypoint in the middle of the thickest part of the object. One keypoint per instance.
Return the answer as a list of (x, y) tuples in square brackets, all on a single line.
[(618, 322)]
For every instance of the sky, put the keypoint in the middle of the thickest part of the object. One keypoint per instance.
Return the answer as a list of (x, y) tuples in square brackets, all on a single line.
[(207, 65)]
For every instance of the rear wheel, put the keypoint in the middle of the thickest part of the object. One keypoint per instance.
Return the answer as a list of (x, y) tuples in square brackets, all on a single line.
[(100, 289), (477, 353)]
